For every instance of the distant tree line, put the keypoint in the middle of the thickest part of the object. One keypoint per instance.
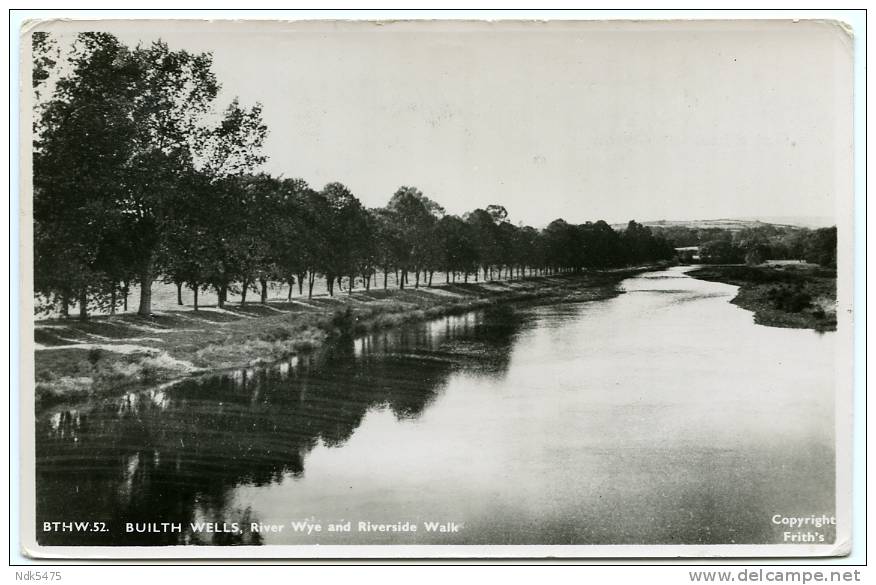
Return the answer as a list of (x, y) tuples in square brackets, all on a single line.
[(757, 244), (137, 177)]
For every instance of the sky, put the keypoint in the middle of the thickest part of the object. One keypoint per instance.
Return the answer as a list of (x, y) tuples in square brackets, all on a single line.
[(584, 121)]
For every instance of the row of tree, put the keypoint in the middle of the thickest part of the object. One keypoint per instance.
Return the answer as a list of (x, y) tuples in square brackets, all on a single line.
[(280, 230), (138, 177)]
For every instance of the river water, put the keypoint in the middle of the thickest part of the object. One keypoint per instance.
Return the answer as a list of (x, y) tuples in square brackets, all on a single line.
[(664, 415)]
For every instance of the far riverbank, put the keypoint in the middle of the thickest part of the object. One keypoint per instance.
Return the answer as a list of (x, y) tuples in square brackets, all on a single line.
[(799, 296), (111, 354)]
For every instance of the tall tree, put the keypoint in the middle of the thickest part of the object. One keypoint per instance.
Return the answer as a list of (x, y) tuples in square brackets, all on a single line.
[(389, 243), (80, 155), (457, 252), (292, 233), (350, 239), (485, 234), (122, 131), (415, 215)]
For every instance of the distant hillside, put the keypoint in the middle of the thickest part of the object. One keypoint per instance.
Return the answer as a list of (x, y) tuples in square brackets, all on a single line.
[(733, 225)]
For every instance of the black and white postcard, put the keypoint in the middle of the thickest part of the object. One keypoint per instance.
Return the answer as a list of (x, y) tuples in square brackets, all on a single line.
[(436, 288)]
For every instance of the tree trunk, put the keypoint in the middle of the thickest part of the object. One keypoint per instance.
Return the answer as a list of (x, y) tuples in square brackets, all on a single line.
[(264, 283), (401, 281), (221, 292), (113, 300), (447, 277), (83, 305), (178, 292), (385, 277), (330, 284), (195, 292), (291, 286), (126, 290), (145, 309), (350, 288), (417, 277), (65, 306), (301, 283), (431, 272), (243, 291), (310, 278), (466, 277)]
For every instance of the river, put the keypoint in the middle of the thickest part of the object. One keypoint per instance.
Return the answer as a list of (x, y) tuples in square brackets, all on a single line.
[(661, 416)]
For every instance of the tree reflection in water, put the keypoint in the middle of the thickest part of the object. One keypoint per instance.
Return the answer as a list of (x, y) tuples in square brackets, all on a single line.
[(175, 454)]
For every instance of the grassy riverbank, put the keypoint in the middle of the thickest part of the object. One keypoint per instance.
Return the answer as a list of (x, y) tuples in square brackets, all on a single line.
[(76, 360), (801, 296)]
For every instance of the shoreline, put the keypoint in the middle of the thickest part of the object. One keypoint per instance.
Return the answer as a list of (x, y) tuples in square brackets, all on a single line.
[(80, 360), (790, 296)]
